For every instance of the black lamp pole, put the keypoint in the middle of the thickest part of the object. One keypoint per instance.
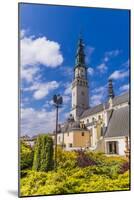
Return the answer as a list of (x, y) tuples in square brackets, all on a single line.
[(57, 99), (56, 130)]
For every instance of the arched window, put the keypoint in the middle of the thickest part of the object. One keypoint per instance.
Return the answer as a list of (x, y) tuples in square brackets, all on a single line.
[(93, 119), (99, 117)]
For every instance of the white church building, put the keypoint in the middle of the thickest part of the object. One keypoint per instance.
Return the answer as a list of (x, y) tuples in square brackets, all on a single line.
[(103, 128)]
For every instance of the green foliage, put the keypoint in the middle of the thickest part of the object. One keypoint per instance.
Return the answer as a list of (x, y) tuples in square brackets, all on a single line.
[(43, 154), (78, 181), (66, 159), (102, 159), (26, 156), (70, 178)]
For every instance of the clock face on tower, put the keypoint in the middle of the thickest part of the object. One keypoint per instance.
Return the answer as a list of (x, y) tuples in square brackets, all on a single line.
[(80, 72), (76, 72)]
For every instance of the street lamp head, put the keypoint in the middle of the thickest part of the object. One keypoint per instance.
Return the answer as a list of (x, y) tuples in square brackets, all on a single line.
[(57, 99)]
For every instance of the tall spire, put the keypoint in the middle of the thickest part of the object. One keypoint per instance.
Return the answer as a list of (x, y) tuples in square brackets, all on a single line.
[(80, 56), (110, 89)]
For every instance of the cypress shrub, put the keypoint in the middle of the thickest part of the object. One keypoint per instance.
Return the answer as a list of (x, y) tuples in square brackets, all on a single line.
[(43, 154)]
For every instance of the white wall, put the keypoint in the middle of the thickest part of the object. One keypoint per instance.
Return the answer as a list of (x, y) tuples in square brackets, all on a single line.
[(121, 144)]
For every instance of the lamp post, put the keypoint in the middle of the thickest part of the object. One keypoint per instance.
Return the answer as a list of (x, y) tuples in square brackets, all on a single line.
[(57, 99)]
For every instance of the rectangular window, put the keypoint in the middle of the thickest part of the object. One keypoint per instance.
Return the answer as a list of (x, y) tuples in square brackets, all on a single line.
[(113, 147), (82, 133), (59, 138), (70, 145)]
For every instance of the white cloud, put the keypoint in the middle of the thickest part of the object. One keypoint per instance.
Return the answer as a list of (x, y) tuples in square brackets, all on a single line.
[(111, 54), (66, 99), (89, 51), (90, 71), (100, 89), (124, 88), (67, 93), (67, 90), (22, 33), (119, 74), (126, 64), (107, 56), (98, 95), (28, 73), (102, 68), (34, 122), (39, 50), (67, 71), (96, 99), (44, 89), (41, 90)]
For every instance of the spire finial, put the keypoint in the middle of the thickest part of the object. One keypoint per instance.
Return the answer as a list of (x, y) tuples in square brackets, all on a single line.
[(110, 89), (80, 56)]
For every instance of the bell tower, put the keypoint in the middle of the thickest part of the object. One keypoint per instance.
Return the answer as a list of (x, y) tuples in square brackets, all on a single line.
[(80, 89)]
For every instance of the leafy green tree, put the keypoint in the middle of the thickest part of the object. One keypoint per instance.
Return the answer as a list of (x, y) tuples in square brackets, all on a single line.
[(26, 155), (43, 154)]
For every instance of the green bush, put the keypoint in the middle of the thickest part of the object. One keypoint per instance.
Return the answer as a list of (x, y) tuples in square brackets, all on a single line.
[(70, 178), (43, 154), (42, 183), (26, 156), (66, 159)]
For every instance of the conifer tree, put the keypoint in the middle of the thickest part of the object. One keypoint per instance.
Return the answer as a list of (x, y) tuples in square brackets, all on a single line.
[(43, 155)]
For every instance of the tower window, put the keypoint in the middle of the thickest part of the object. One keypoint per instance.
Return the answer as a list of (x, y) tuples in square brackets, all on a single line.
[(82, 134), (68, 134), (93, 119), (82, 93), (87, 120)]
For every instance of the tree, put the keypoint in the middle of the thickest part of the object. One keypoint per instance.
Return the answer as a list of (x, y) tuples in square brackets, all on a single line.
[(26, 155), (43, 154)]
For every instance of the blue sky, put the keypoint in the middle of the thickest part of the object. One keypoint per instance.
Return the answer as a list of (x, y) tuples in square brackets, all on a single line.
[(48, 42)]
